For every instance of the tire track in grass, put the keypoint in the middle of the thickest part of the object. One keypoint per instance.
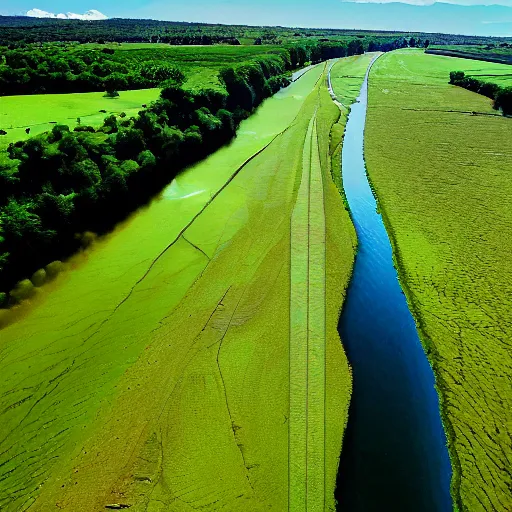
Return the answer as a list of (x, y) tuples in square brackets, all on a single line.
[(307, 336)]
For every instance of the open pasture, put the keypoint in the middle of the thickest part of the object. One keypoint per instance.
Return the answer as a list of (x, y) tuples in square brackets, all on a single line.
[(40, 112), (439, 158)]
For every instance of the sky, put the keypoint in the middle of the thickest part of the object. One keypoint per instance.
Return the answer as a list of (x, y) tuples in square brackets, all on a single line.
[(471, 17)]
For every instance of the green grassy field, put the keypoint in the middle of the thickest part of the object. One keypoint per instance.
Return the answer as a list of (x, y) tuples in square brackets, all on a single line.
[(201, 64), (40, 112), (442, 178), (155, 371)]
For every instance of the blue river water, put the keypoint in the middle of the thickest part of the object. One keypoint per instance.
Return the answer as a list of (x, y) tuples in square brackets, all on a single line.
[(394, 454)]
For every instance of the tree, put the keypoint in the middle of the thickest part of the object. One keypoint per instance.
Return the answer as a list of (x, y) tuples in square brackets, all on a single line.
[(456, 76), (115, 82), (129, 143), (161, 72), (504, 101)]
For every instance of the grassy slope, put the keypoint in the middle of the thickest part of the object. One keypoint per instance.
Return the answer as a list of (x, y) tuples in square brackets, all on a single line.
[(39, 111), (442, 179), (167, 387)]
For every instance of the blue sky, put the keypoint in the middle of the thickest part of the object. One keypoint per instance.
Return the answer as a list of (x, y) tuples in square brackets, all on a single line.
[(460, 16)]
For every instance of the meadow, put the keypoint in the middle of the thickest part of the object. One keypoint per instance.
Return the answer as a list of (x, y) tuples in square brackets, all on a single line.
[(41, 112), (185, 312), (201, 64), (439, 159)]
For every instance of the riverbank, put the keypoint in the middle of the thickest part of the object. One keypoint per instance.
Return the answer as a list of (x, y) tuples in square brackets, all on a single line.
[(394, 433), (158, 367), (441, 262)]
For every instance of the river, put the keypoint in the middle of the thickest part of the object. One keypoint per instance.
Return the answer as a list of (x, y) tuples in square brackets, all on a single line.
[(394, 454)]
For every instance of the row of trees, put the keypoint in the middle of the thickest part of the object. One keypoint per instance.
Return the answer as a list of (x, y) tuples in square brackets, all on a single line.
[(17, 30), (64, 182), (66, 69), (502, 96), (32, 71)]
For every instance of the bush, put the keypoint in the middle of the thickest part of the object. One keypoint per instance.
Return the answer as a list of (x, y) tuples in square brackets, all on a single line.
[(23, 290), (53, 269), (84, 128), (58, 131), (456, 76), (504, 101), (39, 277), (502, 95)]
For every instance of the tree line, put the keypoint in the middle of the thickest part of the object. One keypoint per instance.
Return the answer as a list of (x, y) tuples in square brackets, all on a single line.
[(17, 30), (52, 69), (501, 96), (64, 182)]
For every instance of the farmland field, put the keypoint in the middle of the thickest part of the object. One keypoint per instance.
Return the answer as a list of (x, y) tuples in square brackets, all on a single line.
[(156, 370), (439, 158), (40, 112)]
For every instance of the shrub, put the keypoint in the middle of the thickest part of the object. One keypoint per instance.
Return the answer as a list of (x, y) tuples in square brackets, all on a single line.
[(23, 290), (456, 76), (504, 101), (53, 269), (84, 128), (58, 131), (39, 277)]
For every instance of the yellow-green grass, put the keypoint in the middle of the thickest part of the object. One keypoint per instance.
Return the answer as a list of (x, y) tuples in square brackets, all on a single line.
[(40, 112), (156, 372), (442, 178), (307, 335), (347, 76)]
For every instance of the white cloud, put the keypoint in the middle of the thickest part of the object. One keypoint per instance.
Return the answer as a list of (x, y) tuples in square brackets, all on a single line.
[(93, 14)]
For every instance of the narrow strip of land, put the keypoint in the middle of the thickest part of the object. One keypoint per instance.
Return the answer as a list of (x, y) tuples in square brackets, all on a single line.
[(307, 336)]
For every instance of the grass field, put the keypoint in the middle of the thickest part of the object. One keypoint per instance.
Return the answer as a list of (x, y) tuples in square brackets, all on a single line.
[(441, 175), (40, 112), (201, 64), (156, 371)]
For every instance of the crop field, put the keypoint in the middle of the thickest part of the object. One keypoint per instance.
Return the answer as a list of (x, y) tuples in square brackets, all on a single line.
[(40, 112), (439, 158), (169, 386)]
